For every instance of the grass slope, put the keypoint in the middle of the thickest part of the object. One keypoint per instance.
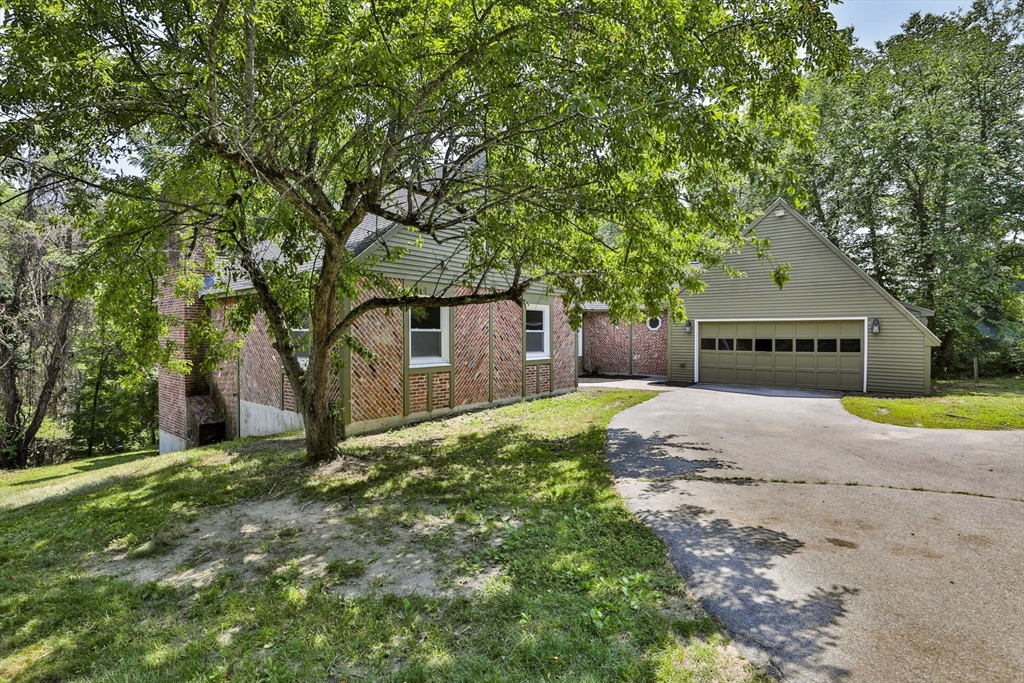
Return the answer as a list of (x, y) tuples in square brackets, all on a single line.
[(991, 404), (585, 592), (22, 487)]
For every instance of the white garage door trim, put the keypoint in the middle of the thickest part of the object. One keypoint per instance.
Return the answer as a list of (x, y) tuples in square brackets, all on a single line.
[(696, 337)]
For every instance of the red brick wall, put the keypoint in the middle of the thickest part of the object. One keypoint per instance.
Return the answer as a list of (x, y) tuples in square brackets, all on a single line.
[(377, 386), (650, 349), (172, 388), (563, 348), (605, 346), (508, 350), (442, 390), (417, 393), (531, 380), (224, 387), (471, 355), (261, 367), (261, 379)]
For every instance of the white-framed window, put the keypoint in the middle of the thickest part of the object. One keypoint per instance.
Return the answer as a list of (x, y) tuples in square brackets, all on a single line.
[(538, 332), (654, 323), (428, 336), (301, 339)]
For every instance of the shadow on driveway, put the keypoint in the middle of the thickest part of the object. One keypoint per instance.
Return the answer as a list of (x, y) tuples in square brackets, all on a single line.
[(728, 566)]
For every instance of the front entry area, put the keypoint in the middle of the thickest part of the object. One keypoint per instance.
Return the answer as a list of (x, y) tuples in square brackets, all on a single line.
[(808, 354)]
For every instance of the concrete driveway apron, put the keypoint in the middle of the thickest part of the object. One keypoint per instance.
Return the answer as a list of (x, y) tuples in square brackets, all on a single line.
[(834, 548)]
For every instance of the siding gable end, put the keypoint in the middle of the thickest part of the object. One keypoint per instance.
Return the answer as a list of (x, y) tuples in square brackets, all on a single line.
[(781, 204)]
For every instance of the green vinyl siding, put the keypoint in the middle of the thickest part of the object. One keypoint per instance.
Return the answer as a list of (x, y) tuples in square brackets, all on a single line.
[(433, 264), (823, 284)]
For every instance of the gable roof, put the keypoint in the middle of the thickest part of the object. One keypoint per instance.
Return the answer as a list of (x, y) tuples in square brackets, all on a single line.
[(918, 310), (371, 231), (782, 204)]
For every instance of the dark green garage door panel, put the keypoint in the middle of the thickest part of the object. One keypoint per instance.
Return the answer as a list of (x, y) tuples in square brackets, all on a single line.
[(816, 354)]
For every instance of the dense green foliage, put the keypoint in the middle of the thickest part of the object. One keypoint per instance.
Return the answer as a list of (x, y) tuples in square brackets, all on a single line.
[(917, 172), (584, 590), (77, 353), (113, 406), (36, 322), (518, 129)]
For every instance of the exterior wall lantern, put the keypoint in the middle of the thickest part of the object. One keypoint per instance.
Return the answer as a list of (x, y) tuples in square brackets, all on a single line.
[(688, 327), (876, 326)]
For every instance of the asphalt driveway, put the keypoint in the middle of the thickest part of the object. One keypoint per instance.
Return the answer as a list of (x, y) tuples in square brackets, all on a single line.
[(833, 548)]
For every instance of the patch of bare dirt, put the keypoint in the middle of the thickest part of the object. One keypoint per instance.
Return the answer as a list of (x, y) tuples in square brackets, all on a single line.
[(308, 541)]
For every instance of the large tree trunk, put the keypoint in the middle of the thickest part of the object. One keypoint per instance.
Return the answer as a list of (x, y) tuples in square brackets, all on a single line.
[(946, 350), (10, 433), (54, 367), (95, 402), (321, 437), (310, 386)]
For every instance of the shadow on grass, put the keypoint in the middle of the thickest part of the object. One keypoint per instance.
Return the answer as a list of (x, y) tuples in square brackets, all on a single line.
[(75, 467), (585, 593)]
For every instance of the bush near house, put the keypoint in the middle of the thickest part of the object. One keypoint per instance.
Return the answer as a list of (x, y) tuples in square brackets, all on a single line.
[(531, 568), (993, 403)]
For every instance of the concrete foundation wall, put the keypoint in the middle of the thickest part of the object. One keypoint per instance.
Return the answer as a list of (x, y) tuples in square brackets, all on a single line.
[(169, 443), (262, 420)]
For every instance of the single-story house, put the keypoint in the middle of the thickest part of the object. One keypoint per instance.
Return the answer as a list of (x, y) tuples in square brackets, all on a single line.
[(428, 362), (830, 327)]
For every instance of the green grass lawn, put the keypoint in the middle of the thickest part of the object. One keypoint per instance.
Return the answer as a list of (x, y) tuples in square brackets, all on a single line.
[(577, 588), (954, 404), (22, 487)]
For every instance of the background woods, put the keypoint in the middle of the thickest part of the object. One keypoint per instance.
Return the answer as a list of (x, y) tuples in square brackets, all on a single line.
[(76, 359)]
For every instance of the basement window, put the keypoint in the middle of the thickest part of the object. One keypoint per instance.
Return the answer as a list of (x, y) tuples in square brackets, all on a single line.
[(538, 332), (428, 336)]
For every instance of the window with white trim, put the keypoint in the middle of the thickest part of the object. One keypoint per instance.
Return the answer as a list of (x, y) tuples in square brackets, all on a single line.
[(428, 336), (301, 340), (654, 324), (538, 332)]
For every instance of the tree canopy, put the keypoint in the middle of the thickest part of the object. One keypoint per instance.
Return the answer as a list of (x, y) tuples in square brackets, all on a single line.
[(918, 171), (591, 146)]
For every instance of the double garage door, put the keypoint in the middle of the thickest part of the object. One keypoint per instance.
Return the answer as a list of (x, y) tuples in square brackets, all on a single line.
[(816, 354)]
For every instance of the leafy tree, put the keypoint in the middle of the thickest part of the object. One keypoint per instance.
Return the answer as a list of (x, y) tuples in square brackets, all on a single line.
[(518, 129), (54, 320), (918, 170), (36, 322), (114, 403)]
